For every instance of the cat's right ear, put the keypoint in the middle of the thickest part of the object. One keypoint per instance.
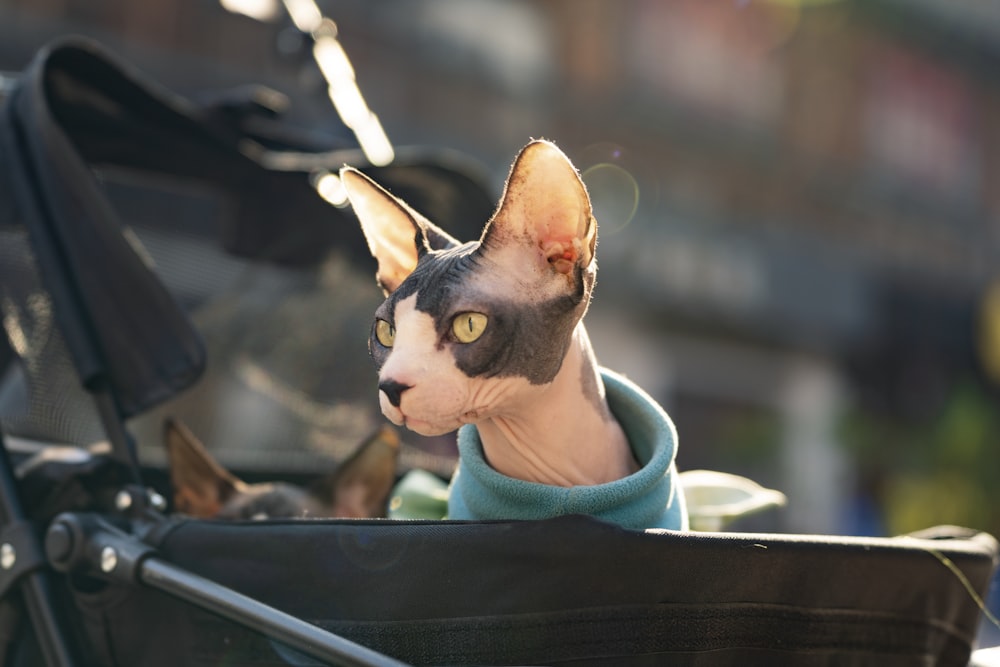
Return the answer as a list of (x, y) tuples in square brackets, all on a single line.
[(361, 485), (397, 235)]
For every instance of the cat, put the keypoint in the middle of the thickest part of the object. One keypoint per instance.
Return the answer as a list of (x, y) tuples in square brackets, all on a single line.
[(359, 488), (487, 337)]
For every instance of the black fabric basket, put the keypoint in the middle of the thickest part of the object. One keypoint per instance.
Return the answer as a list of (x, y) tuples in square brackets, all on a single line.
[(569, 591)]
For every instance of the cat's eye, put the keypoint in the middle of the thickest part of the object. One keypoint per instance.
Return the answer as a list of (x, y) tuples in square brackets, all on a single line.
[(385, 333), (468, 327)]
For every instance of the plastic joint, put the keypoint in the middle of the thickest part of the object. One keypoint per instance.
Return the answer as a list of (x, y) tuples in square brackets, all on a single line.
[(88, 544)]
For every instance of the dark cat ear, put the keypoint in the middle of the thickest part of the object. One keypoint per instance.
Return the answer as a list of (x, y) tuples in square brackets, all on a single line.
[(545, 204), (201, 486), (360, 487), (397, 235)]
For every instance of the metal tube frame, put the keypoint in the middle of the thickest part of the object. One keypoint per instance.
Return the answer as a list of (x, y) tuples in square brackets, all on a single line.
[(33, 585)]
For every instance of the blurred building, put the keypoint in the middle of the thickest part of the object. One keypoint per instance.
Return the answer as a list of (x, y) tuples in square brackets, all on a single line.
[(798, 201)]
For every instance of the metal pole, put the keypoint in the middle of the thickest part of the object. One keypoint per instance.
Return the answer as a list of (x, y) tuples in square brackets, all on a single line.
[(122, 447), (34, 586)]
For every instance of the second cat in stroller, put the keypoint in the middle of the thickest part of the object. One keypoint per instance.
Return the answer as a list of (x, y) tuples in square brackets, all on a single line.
[(359, 487)]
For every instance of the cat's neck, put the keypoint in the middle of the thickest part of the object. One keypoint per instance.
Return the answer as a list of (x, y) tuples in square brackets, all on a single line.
[(566, 438)]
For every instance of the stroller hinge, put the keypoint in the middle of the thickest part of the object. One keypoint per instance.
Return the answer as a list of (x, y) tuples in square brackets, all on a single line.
[(87, 543)]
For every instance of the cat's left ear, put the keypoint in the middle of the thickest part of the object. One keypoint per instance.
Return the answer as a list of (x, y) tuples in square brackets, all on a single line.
[(201, 485), (546, 205), (397, 235)]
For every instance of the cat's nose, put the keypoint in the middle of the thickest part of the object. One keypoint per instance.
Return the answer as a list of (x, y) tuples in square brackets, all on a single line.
[(393, 391)]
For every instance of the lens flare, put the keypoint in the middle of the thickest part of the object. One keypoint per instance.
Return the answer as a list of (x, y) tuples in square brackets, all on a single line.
[(370, 549), (614, 193)]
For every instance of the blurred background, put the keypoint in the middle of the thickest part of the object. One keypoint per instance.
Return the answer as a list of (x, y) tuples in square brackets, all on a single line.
[(799, 209)]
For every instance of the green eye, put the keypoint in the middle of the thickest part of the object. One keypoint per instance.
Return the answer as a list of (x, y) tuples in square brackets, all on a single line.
[(467, 327), (385, 333)]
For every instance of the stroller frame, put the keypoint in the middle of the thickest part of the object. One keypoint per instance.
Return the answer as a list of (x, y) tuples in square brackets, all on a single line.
[(77, 542)]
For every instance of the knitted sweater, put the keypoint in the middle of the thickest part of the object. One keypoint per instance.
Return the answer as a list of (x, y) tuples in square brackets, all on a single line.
[(648, 498)]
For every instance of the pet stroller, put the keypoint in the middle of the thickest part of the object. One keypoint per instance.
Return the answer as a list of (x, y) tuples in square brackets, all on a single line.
[(93, 571)]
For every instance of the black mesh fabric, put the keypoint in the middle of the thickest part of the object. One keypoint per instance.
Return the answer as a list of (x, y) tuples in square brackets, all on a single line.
[(41, 397)]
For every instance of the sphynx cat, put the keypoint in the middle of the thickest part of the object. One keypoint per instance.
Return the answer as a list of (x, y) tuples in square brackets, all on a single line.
[(487, 337)]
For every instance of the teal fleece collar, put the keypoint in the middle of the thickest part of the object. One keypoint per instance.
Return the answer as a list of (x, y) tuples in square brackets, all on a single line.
[(649, 498)]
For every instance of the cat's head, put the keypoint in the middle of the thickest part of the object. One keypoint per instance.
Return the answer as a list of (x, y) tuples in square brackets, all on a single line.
[(469, 329)]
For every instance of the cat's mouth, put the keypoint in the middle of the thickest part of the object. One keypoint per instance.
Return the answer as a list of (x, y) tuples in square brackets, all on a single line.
[(432, 428), (422, 426), (425, 423), (427, 428)]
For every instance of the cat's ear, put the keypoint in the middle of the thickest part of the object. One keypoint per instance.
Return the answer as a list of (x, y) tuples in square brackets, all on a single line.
[(397, 235), (361, 485), (545, 205), (201, 486)]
